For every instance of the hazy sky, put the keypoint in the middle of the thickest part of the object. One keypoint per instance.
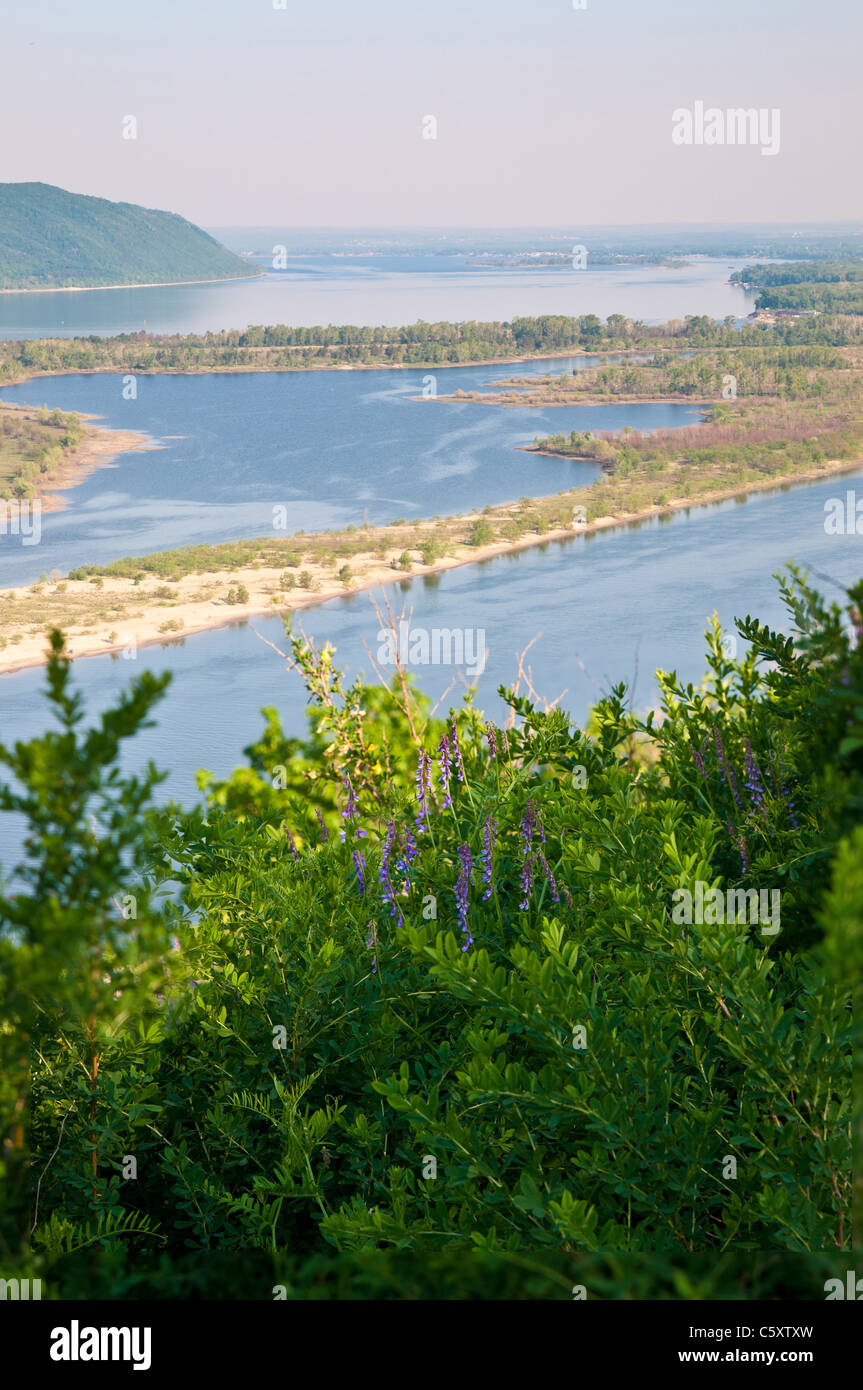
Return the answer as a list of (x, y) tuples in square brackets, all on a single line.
[(546, 115)]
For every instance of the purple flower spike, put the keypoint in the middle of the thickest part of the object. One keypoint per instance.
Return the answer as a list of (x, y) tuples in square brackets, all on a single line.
[(526, 882), (528, 825), (488, 837), (384, 874), (753, 779), (454, 748), (462, 891), (360, 866), (407, 858), (443, 757), (491, 735), (423, 781), (324, 835)]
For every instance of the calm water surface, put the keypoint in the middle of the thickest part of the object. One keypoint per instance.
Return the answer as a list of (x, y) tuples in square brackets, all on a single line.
[(330, 447), (392, 291)]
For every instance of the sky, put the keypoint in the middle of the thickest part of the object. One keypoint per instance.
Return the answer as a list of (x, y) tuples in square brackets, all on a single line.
[(316, 114)]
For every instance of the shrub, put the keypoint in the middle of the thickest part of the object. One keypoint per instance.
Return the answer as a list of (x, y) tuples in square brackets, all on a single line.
[(480, 533), (472, 1024), (431, 550)]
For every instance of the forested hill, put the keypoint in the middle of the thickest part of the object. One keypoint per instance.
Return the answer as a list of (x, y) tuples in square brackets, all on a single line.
[(50, 238)]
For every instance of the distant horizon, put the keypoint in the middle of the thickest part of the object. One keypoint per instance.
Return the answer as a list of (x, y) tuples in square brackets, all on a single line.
[(562, 227), (520, 227), (845, 224)]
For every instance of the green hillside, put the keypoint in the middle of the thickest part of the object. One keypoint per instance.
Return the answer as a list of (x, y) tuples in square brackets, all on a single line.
[(53, 239)]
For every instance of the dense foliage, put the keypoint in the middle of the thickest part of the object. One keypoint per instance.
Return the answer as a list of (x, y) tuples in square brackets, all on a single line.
[(49, 237), (280, 347), (33, 445), (795, 372), (825, 286), (419, 1016), (768, 413)]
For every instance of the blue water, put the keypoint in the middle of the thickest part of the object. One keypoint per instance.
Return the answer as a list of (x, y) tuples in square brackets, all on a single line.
[(386, 290), (332, 448)]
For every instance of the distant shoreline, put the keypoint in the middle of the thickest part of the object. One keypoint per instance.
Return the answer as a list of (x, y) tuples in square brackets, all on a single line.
[(143, 285)]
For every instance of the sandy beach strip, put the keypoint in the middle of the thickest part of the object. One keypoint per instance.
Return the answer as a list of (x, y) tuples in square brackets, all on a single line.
[(99, 448), (138, 285), (126, 616)]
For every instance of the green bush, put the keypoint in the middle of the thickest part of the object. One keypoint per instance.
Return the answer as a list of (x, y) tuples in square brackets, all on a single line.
[(480, 533), (431, 550), (464, 1035)]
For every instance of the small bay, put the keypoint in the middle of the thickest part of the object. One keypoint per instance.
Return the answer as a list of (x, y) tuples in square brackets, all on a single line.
[(332, 448)]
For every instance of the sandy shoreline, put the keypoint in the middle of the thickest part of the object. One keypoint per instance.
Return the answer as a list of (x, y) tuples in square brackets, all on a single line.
[(533, 399), (142, 285), (98, 449), (197, 603)]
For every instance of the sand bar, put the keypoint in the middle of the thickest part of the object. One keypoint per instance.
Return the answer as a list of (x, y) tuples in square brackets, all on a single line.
[(157, 612)]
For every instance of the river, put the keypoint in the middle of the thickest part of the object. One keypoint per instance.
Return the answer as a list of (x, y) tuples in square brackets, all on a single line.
[(387, 290), (336, 445)]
